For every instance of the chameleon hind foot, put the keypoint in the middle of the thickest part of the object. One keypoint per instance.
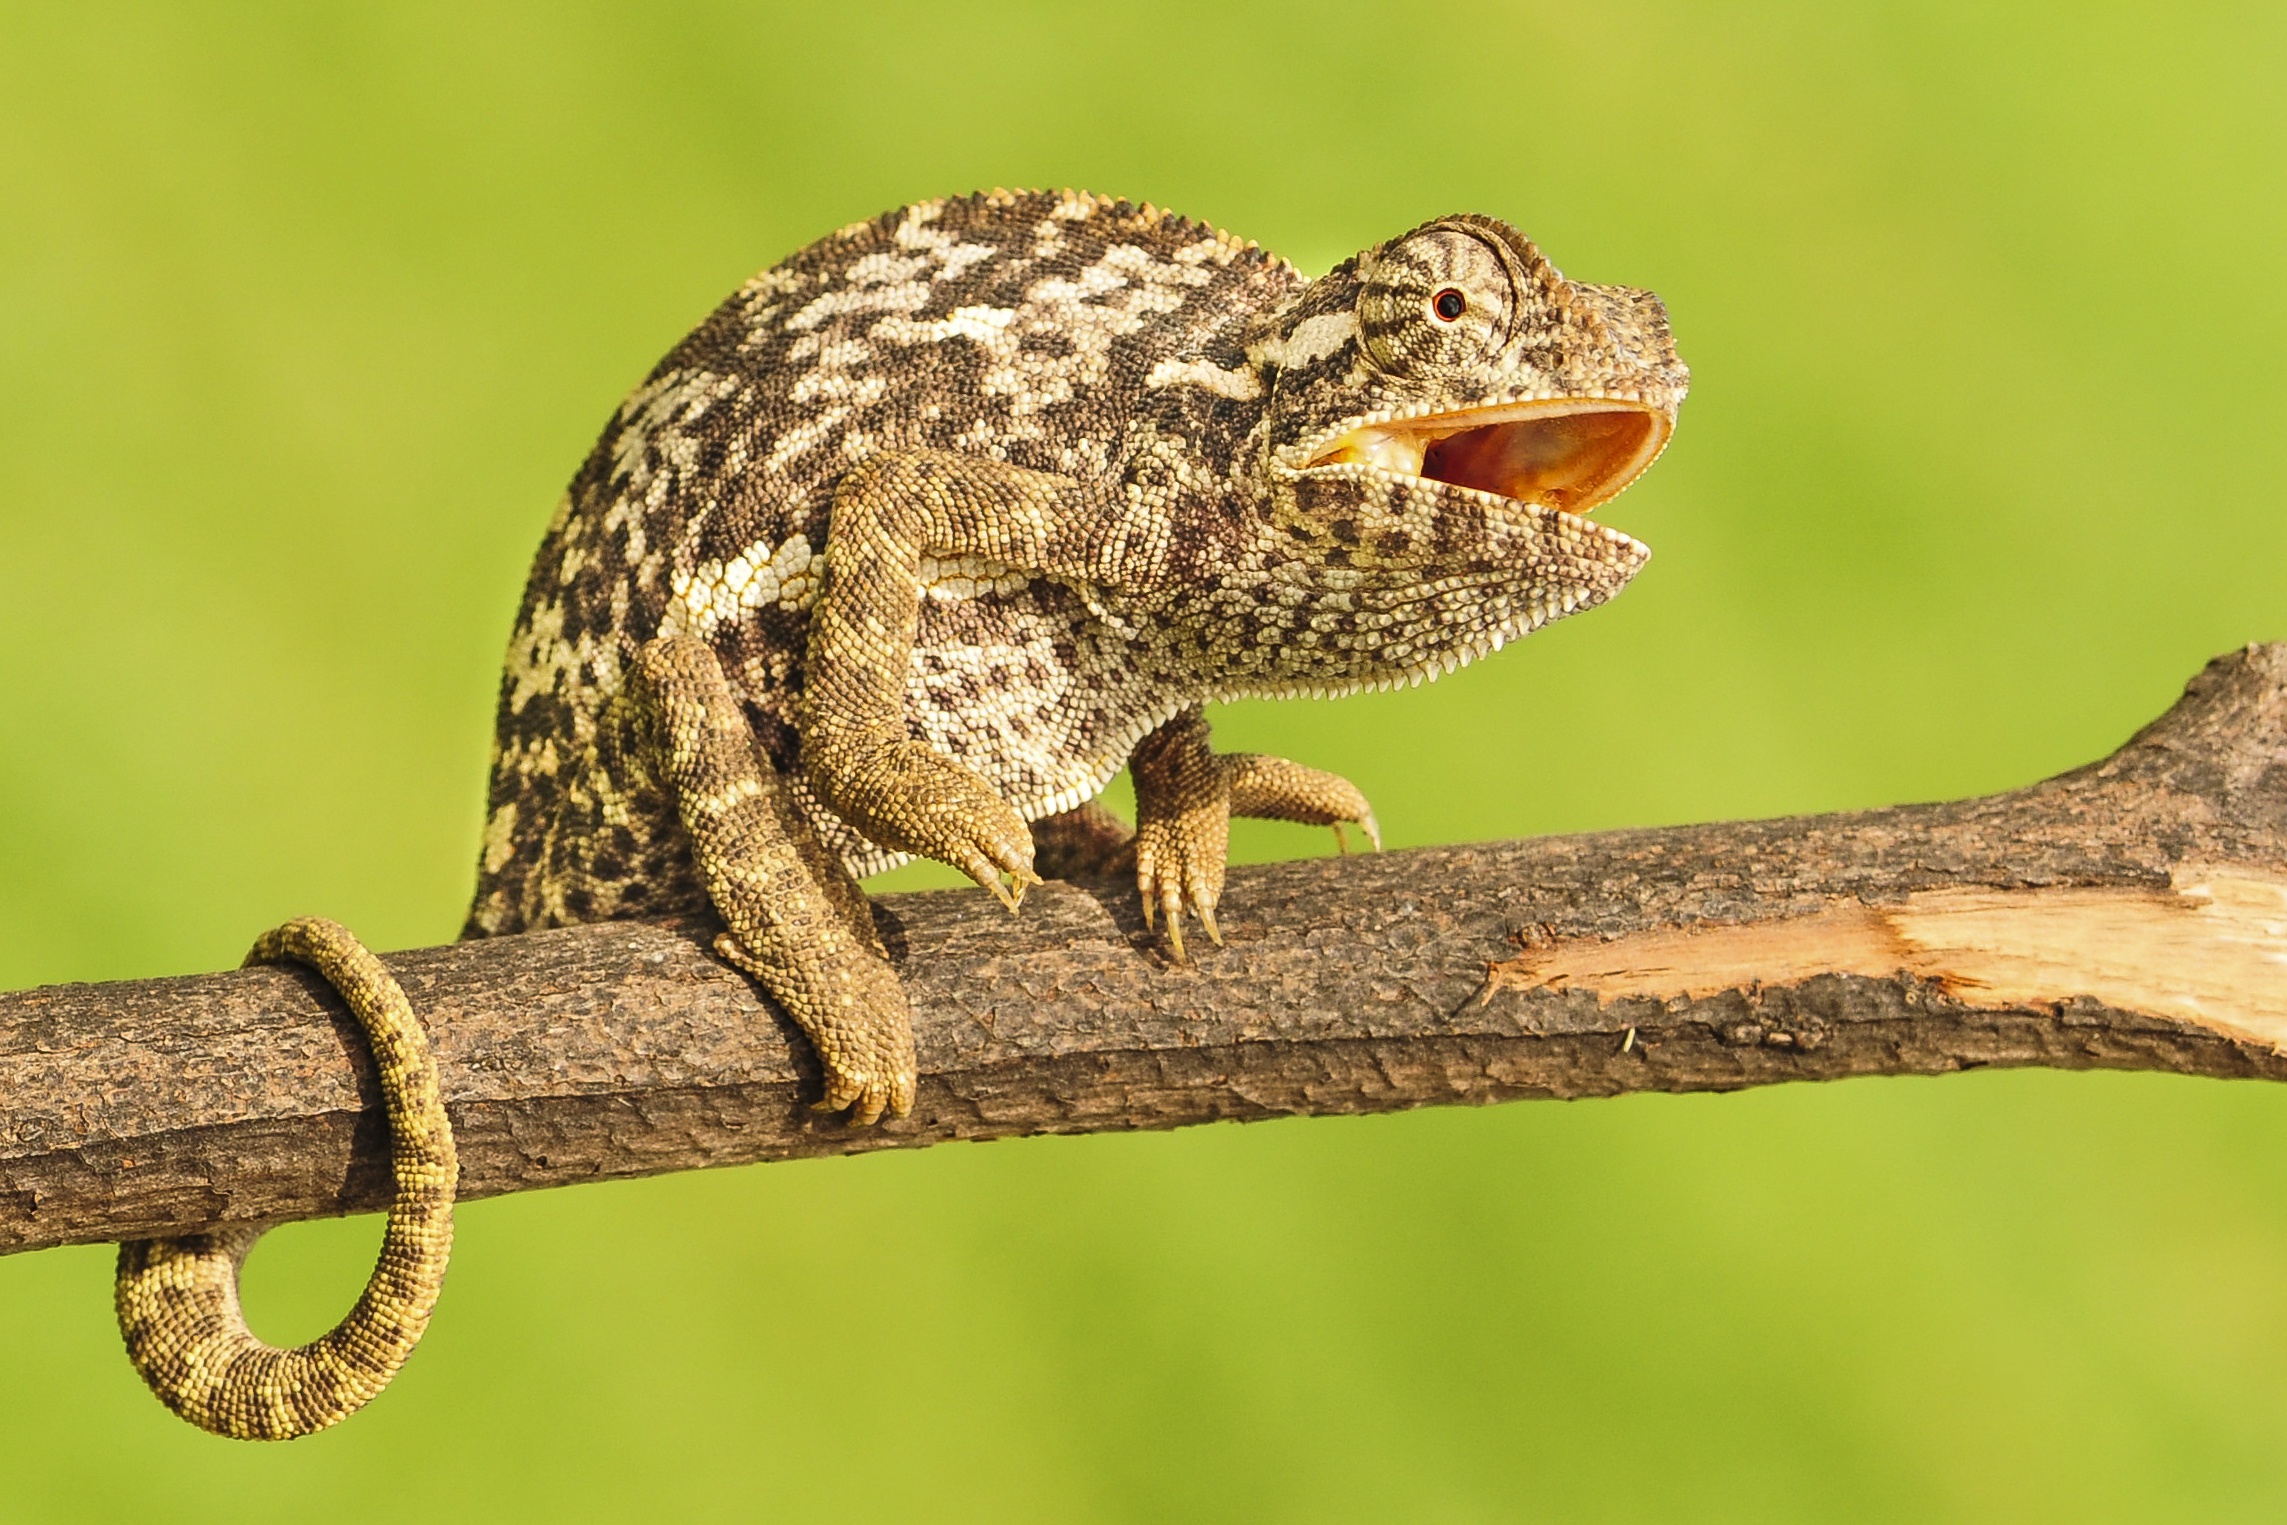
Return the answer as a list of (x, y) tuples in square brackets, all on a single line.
[(853, 1012), (177, 1298), (798, 923)]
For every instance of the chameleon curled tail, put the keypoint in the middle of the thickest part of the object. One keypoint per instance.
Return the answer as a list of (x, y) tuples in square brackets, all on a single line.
[(178, 1298)]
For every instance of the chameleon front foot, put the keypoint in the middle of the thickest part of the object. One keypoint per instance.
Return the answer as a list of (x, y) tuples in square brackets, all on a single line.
[(910, 797), (1274, 789), (1186, 794), (1183, 827), (177, 1298), (1179, 863)]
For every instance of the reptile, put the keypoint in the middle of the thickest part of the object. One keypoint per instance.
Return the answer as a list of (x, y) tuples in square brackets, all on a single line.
[(931, 528)]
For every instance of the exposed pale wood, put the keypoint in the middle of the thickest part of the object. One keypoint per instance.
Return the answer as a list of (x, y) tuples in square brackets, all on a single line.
[(2210, 950), (2125, 915)]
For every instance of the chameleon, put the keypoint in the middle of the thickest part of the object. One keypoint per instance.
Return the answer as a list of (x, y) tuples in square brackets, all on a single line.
[(930, 529)]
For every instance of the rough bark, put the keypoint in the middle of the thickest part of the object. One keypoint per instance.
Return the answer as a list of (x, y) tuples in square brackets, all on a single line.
[(2131, 915)]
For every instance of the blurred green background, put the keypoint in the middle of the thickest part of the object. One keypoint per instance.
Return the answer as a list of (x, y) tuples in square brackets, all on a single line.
[(307, 313)]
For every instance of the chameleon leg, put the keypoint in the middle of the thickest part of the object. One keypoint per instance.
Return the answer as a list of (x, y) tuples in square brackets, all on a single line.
[(1186, 794), (889, 514), (178, 1298), (799, 924)]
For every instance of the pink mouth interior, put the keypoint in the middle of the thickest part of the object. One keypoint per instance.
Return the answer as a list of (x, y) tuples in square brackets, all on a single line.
[(1571, 461)]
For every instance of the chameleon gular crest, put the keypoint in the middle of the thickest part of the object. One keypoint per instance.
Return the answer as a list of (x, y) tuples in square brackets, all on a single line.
[(930, 529)]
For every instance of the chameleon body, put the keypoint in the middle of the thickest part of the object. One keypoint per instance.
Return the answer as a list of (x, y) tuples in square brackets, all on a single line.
[(931, 528)]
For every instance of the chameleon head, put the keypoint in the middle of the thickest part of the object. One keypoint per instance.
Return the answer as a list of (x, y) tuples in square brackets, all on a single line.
[(1445, 411)]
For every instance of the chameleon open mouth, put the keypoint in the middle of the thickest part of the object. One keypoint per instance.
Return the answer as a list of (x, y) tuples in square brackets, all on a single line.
[(1570, 454)]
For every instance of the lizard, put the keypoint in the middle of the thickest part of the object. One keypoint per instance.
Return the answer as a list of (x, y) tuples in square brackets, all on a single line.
[(932, 527)]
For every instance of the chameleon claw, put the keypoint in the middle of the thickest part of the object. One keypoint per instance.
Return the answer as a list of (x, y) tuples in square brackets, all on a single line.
[(1207, 922), (1341, 842), (865, 1102), (1171, 906), (1370, 827), (990, 879)]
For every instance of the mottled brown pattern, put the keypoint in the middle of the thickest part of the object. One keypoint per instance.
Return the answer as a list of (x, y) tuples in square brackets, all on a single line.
[(177, 1298), (926, 528)]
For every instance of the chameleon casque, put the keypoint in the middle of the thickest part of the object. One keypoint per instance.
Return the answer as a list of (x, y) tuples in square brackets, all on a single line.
[(930, 529)]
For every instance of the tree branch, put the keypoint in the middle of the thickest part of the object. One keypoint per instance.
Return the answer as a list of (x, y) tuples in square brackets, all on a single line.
[(2128, 915)]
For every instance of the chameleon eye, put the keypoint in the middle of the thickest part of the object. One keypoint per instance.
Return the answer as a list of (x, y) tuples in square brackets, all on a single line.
[(1449, 305)]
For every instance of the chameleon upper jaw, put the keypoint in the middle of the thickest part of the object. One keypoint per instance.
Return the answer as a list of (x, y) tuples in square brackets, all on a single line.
[(1566, 453)]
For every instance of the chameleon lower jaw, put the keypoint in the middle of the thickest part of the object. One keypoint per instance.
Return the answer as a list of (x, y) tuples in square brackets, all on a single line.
[(1572, 456)]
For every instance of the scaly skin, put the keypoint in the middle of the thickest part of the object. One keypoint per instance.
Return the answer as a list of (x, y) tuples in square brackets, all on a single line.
[(934, 526), (178, 1298)]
